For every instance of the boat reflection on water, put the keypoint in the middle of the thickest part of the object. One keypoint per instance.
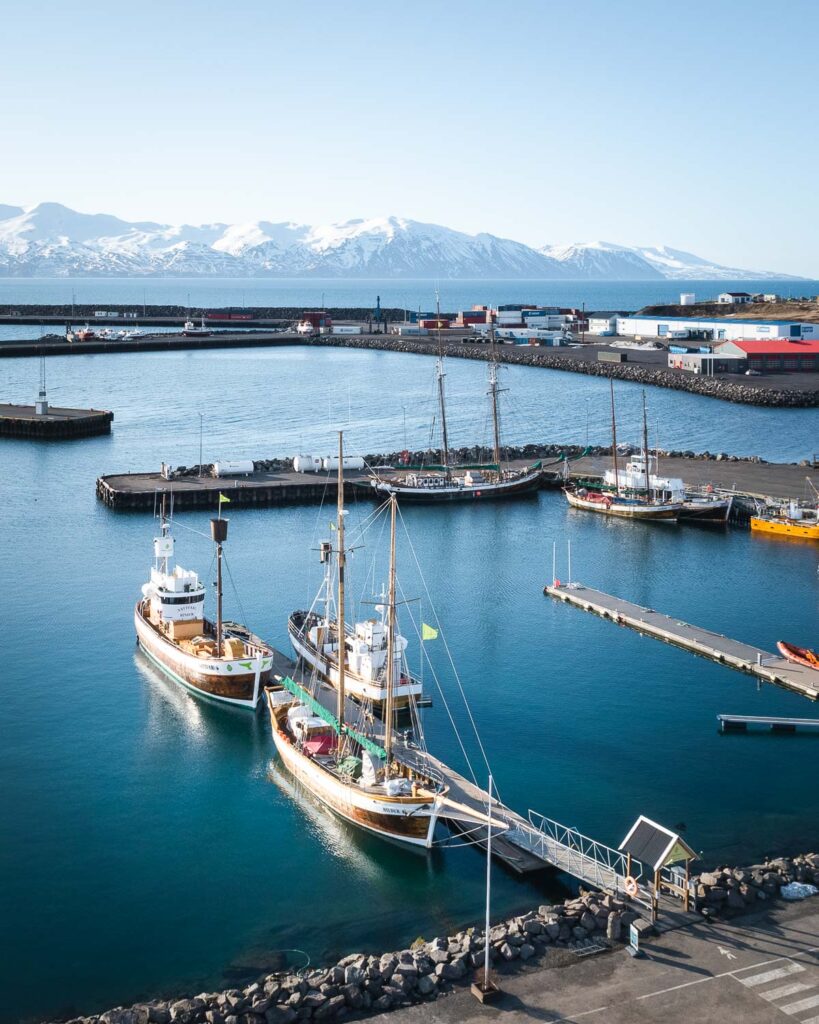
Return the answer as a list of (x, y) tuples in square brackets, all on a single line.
[(343, 840)]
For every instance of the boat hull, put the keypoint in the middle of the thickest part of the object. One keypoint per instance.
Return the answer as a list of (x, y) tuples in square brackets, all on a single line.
[(515, 488), (695, 511), (798, 655), (238, 682), (785, 528), (354, 685), (408, 820), (611, 507)]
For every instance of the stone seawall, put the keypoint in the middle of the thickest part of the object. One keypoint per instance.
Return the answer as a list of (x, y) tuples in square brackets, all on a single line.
[(361, 984), (525, 355)]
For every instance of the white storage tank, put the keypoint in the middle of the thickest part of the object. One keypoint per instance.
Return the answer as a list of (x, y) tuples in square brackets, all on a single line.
[(350, 462), (687, 298), (307, 463), (239, 468)]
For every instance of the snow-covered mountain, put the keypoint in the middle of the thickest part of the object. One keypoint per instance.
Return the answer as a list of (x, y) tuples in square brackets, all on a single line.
[(50, 240)]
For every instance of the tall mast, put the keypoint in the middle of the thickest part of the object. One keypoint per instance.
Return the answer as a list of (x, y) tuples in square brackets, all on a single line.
[(493, 391), (645, 448), (342, 635), (614, 442), (390, 635), (218, 532), (441, 398)]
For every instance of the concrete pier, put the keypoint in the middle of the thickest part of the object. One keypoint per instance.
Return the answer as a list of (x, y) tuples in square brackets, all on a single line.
[(138, 491), (762, 664), (54, 425)]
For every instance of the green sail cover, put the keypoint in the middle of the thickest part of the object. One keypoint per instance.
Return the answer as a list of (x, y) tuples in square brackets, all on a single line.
[(327, 716)]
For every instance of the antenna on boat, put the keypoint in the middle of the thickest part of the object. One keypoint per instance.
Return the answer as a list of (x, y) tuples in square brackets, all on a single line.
[(494, 391), (614, 443), (218, 532), (441, 396), (645, 449), (342, 636), (390, 635)]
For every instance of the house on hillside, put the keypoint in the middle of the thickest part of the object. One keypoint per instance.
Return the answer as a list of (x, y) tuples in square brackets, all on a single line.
[(734, 298)]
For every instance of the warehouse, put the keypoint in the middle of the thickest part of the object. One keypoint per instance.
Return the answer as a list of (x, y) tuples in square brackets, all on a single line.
[(715, 329), (708, 363), (783, 356)]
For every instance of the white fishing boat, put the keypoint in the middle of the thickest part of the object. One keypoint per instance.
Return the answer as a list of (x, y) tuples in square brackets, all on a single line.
[(193, 330), (314, 634), (220, 660), (704, 506), (616, 497), (443, 482), (354, 774)]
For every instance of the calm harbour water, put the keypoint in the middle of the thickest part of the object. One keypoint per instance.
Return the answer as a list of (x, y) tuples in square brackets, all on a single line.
[(148, 840)]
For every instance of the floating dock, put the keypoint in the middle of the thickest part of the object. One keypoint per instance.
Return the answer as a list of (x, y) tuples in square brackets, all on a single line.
[(745, 657), (741, 723), (53, 425)]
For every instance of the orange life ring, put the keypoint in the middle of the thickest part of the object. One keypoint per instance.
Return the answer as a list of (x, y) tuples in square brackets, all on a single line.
[(631, 886)]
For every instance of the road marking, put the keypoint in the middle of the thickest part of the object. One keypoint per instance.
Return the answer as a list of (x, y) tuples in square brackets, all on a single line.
[(811, 1020), (727, 952), (766, 976), (785, 990), (802, 1004)]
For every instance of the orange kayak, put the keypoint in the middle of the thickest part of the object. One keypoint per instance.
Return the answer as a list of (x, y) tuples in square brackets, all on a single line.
[(799, 655)]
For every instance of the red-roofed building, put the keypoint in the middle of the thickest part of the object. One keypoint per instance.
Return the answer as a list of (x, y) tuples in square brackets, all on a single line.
[(777, 355)]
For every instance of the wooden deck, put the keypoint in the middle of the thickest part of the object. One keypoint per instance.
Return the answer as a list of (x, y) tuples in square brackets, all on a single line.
[(744, 657)]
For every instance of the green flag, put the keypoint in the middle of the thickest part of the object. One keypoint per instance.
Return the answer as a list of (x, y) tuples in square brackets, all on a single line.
[(428, 632)]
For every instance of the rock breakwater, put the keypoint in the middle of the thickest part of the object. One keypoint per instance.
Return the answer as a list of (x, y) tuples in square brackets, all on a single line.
[(525, 355), (362, 984)]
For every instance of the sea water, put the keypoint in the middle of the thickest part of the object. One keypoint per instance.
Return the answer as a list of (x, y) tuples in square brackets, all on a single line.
[(150, 842)]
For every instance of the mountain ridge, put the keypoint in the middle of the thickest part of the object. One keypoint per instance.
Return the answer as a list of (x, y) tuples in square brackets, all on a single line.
[(52, 240)]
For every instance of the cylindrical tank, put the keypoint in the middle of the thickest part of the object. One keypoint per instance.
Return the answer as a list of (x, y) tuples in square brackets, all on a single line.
[(240, 468), (350, 462), (307, 463), (687, 298)]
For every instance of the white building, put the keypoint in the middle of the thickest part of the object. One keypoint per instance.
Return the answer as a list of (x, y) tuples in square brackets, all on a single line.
[(603, 323), (714, 329), (734, 298), (687, 298)]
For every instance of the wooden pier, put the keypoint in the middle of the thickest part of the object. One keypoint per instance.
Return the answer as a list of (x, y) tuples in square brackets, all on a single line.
[(744, 657), (741, 723), (55, 424)]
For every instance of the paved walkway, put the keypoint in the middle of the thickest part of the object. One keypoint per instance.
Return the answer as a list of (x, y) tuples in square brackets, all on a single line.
[(758, 969)]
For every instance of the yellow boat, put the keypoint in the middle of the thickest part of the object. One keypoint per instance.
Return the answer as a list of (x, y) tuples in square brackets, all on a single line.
[(802, 523)]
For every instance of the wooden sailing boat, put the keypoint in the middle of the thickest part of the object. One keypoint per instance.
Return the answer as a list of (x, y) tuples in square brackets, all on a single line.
[(352, 773), (625, 497), (220, 660), (479, 483), (370, 649)]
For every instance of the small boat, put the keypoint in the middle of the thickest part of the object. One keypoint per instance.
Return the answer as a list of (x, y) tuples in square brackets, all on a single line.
[(789, 521), (628, 495), (354, 774), (131, 335), (83, 334), (478, 483), (220, 660), (799, 655), (191, 330)]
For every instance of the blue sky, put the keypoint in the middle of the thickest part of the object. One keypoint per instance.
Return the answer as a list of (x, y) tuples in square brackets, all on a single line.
[(691, 124)]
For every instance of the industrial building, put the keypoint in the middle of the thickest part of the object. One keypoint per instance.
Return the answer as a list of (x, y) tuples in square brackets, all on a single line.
[(783, 356), (604, 322), (714, 329), (708, 363)]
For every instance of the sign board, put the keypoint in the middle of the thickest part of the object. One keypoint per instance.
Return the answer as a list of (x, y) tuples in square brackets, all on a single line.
[(633, 947)]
